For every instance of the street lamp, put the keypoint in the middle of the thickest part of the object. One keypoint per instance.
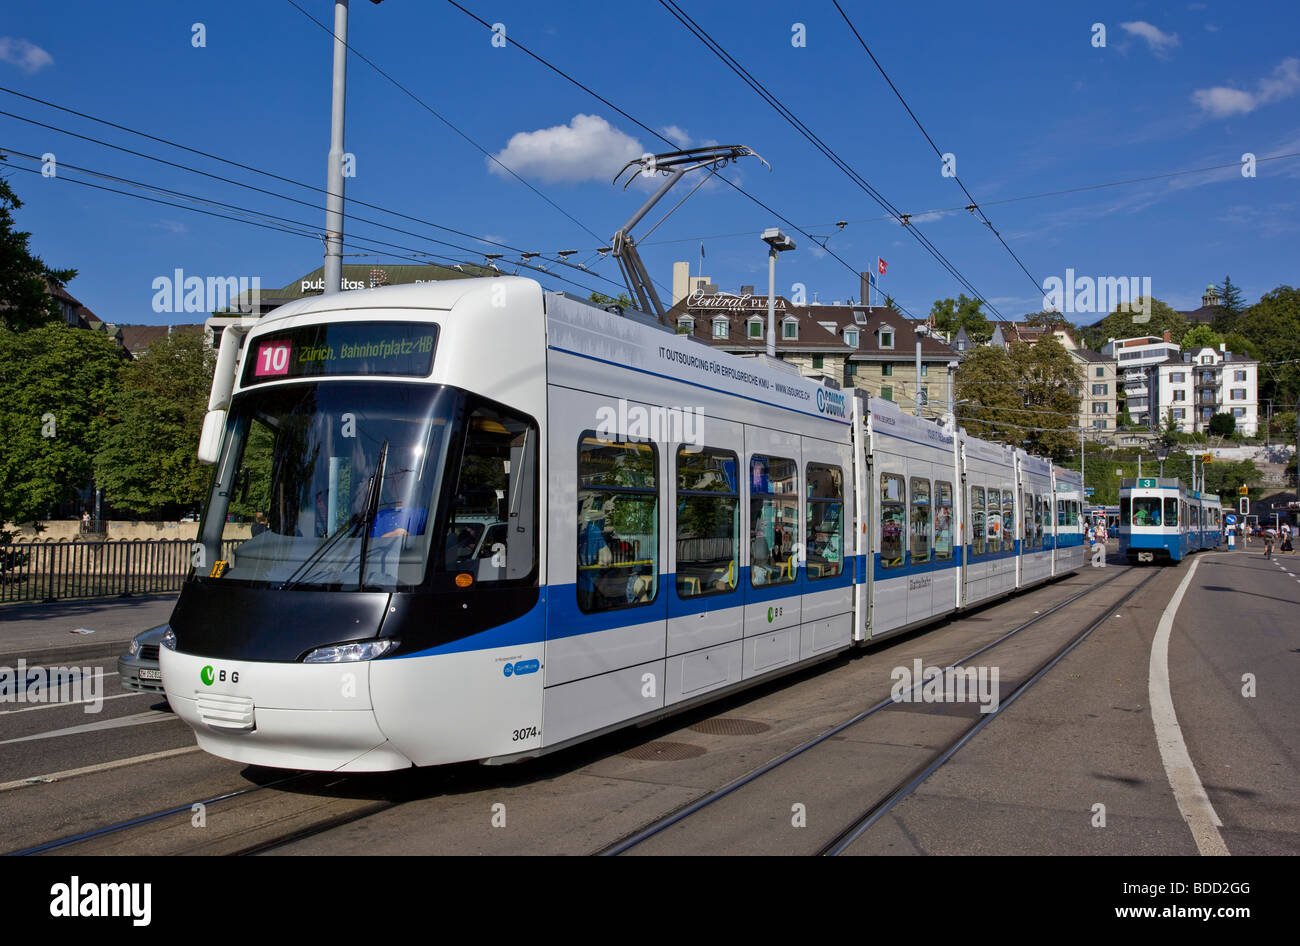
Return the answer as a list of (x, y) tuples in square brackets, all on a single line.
[(1162, 454), (776, 242)]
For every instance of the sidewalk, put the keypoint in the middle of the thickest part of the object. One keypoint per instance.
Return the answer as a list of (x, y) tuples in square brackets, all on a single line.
[(43, 633)]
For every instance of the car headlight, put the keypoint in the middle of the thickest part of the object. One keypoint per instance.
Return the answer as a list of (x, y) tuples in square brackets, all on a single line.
[(169, 639), (135, 647), (350, 653)]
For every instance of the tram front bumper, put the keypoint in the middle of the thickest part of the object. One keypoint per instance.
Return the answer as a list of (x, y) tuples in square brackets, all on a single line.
[(317, 717)]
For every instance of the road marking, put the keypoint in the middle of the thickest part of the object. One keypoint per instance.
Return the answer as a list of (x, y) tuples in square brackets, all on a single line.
[(101, 767), (1193, 802), (138, 719), (115, 696)]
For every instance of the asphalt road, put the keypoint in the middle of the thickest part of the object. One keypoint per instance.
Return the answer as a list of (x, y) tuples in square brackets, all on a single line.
[(1028, 783)]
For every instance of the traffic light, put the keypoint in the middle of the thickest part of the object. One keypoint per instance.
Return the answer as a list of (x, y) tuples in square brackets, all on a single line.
[(1243, 490), (1207, 458)]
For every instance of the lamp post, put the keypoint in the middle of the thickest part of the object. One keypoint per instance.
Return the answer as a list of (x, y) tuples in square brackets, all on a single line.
[(1162, 454), (776, 242), (921, 332), (332, 274)]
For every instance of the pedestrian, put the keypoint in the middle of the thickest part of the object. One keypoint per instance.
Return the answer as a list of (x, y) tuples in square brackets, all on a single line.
[(1268, 544)]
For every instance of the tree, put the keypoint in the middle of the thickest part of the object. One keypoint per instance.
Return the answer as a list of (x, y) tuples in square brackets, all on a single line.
[(1273, 325), (1231, 305), (987, 381), (1119, 324), (623, 299), (952, 315), (1049, 379), (1201, 336), (1223, 425), (148, 458), (25, 302), (55, 387)]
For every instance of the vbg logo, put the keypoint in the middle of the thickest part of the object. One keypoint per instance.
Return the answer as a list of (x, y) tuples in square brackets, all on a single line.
[(209, 675)]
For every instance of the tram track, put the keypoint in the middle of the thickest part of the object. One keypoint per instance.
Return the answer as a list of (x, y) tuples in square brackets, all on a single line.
[(916, 775)]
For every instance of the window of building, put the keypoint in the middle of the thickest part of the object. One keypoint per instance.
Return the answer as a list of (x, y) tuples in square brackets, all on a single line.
[(1177, 377), (618, 524), (686, 324), (773, 520), (1099, 424), (919, 522), (886, 370), (825, 545), (1101, 407), (850, 369), (851, 337), (708, 522), (1100, 389), (818, 362), (1207, 359), (925, 370), (790, 329), (1180, 413), (893, 510), (1239, 375), (720, 327), (1099, 371), (942, 522), (887, 392), (1238, 412), (1180, 395), (755, 328), (886, 338), (1239, 394), (977, 521)]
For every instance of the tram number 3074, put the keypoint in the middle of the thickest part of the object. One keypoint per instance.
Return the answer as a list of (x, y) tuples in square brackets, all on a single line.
[(528, 732)]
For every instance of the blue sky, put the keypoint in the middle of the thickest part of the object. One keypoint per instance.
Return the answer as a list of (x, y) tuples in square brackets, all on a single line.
[(1016, 91)]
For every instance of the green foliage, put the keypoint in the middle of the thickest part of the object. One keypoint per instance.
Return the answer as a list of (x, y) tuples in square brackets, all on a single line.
[(1024, 396), (1239, 344), (1273, 325), (1223, 425), (24, 300), (1202, 336), (623, 299), (1123, 325), (1283, 426), (147, 460), (1231, 303), (56, 385), (950, 316)]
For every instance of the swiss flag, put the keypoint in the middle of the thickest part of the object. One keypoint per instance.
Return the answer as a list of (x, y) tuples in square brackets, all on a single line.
[(880, 265)]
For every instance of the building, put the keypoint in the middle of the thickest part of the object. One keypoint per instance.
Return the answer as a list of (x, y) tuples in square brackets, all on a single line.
[(1136, 361), (1201, 383), (1098, 394), (855, 346), (1209, 312), (136, 339)]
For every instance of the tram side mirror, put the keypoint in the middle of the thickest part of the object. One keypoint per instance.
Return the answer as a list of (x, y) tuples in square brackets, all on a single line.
[(214, 424)]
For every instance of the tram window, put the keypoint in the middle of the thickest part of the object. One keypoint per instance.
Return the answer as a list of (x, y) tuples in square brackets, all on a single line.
[(1060, 512), (492, 521), (942, 522), (1171, 512), (1125, 507), (708, 522), (977, 521), (1041, 520), (618, 524), (919, 522), (825, 543), (1027, 511), (893, 512), (1146, 510), (1008, 520), (995, 521), (773, 520)]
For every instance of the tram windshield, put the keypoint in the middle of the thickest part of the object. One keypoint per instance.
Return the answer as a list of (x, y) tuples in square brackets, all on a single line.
[(1146, 511), (316, 478)]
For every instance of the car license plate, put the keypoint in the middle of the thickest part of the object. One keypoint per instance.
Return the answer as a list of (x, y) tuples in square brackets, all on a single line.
[(151, 675)]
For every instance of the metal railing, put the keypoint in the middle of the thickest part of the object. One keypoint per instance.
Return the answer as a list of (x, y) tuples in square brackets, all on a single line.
[(50, 571)]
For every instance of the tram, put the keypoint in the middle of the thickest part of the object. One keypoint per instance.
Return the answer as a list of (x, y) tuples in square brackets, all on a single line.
[(1161, 520), (488, 522)]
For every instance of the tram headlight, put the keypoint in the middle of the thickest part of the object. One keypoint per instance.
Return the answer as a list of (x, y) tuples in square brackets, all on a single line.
[(169, 639), (350, 653)]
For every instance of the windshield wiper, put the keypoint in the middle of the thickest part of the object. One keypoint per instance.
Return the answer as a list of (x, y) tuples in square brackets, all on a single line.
[(372, 509), (319, 552)]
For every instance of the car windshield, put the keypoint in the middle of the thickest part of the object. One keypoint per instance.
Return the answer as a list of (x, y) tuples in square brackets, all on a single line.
[(316, 477)]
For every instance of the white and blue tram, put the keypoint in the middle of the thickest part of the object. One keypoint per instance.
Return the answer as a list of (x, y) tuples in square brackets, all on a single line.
[(1162, 520), (489, 521)]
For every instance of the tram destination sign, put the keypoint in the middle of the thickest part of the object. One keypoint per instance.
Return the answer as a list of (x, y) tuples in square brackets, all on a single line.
[(370, 348)]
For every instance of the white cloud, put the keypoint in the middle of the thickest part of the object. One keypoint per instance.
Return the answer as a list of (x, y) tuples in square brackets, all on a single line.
[(26, 56), (171, 226), (677, 134), (1222, 101), (1160, 42), (588, 148)]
